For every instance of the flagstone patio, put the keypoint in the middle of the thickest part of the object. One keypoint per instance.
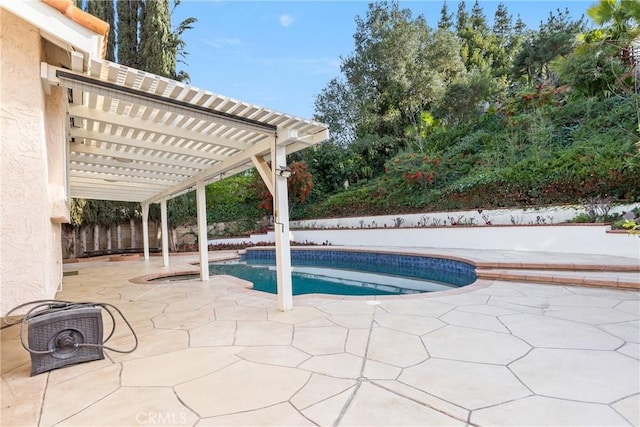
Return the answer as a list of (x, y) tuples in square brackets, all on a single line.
[(216, 353)]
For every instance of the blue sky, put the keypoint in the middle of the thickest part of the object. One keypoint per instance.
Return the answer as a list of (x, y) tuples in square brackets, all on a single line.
[(281, 54)]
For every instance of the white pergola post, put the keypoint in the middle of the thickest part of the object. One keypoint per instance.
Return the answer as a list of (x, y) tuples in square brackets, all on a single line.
[(203, 241), (165, 233), (96, 237), (132, 227), (118, 236), (145, 230), (83, 239), (281, 228)]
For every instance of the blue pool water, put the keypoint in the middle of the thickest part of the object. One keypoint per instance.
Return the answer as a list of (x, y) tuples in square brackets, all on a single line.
[(349, 273)]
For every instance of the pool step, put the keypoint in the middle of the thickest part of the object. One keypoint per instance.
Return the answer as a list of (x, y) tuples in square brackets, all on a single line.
[(615, 277)]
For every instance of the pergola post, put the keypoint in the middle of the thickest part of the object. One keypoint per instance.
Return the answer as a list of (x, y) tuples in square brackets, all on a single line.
[(165, 232), (145, 230), (281, 228), (203, 241)]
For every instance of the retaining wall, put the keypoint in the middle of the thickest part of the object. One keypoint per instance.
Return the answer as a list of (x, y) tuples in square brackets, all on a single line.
[(568, 238)]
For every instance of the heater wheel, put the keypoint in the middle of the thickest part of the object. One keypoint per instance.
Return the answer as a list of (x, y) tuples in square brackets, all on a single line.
[(65, 344)]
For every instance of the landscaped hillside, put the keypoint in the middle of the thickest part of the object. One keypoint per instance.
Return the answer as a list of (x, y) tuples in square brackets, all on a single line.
[(551, 149), (472, 116)]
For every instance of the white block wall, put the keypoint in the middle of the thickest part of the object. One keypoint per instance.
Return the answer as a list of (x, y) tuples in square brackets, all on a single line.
[(583, 239)]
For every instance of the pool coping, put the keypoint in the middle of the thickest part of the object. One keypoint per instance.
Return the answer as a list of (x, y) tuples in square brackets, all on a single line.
[(485, 271)]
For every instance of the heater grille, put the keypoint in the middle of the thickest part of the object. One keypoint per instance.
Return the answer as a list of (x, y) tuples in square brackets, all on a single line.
[(65, 337)]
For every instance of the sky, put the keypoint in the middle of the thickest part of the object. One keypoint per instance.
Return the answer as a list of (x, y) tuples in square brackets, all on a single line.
[(281, 54)]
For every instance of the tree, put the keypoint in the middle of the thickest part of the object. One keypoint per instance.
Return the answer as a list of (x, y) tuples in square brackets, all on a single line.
[(517, 38), (477, 19), (462, 18), (105, 10), (102, 212), (177, 45), (146, 40), (330, 165), (503, 47), (337, 106), (156, 55), (232, 199), (462, 100), (370, 153), (128, 28), (477, 41), (502, 23), (592, 69), (399, 69), (622, 16), (556, 37), (387, 74), (418, 133), (446, 18), (443, 58), (620, 26)]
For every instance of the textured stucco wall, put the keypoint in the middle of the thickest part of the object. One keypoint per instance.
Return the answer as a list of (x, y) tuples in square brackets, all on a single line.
[(58, 212), (29, 241)]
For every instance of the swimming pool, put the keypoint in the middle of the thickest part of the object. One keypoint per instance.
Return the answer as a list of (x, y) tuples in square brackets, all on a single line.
[(350, 272)]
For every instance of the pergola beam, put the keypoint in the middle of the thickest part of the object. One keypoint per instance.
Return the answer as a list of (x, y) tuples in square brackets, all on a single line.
[(140, 159), (119, 179), (139, 124), (145, 144), (134, 96), (97, 167)]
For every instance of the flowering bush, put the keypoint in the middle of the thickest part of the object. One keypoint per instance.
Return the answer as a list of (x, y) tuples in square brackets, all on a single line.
[(299, 186), (416, 171)]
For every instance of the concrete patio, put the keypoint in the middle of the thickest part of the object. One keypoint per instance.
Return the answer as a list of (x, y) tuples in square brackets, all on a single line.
[(219, 354)]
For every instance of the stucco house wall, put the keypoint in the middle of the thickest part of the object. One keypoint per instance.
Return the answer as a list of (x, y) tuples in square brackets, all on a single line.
[(33, 201)]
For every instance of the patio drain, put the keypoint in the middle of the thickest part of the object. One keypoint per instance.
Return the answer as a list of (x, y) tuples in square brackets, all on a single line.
[(362, 379)]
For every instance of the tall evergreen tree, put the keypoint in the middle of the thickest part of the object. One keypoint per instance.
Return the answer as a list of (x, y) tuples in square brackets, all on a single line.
[(556, 37), (518, 35), (155, 51), (502, 22), (462, 18), (476, 40), (446, 18), (160, 48), (127, 36), (477, 19), (105, 10), (503, 33), (520, 27)]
